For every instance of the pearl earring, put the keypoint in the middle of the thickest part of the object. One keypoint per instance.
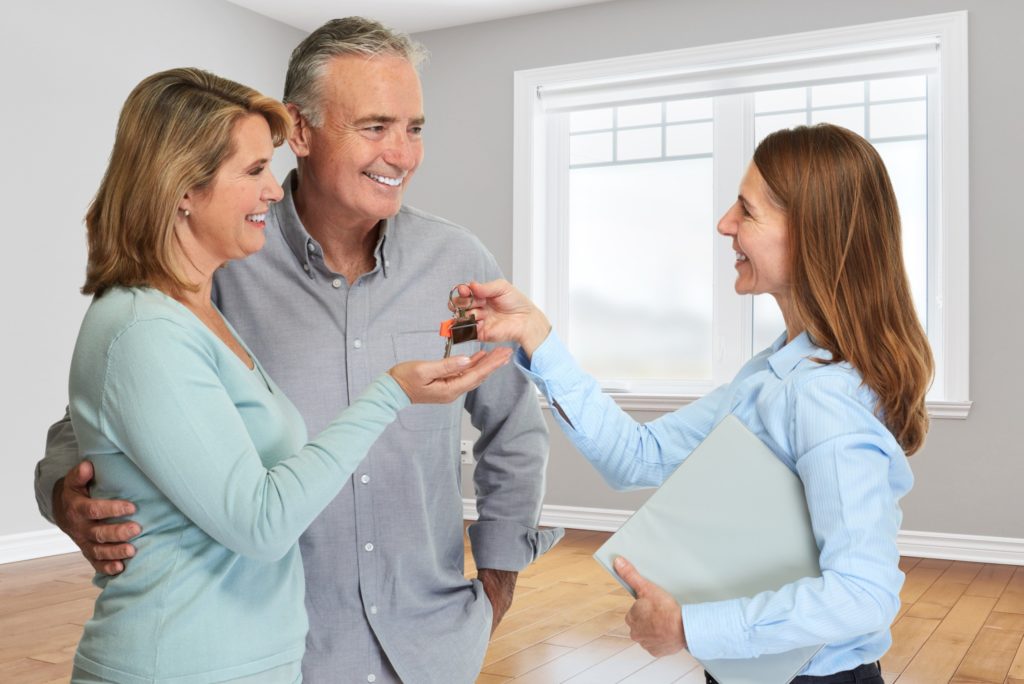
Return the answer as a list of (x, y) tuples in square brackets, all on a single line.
[(187, 213)]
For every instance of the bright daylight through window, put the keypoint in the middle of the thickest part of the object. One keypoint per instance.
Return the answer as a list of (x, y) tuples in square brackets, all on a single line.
[(624, 166)]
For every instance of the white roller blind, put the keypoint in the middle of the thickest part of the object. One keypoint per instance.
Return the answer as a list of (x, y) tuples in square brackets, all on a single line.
[(743, 74)]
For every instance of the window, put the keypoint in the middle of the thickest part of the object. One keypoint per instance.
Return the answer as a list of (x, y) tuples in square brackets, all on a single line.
[(622, 168)]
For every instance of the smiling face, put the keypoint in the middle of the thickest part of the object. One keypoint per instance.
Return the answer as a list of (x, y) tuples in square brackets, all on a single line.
[(227, 217), (760, 237), (355, 167)]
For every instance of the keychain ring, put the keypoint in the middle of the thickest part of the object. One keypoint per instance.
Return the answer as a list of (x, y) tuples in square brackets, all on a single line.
[(451, 296)]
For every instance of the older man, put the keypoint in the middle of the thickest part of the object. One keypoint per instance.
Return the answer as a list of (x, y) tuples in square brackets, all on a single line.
[(350, 282)]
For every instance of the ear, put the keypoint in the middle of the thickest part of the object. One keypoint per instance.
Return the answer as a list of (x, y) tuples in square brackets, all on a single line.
[(299, 139), (186, 202)]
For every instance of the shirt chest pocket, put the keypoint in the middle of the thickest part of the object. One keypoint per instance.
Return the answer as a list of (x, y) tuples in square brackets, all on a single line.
[(420, 345)]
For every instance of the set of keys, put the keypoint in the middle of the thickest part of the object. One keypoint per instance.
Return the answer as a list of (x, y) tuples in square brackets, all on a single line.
[(461, 327)]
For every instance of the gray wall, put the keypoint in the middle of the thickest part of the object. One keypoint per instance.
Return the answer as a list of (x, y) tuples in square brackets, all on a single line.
[(970, 473), (67, 68)]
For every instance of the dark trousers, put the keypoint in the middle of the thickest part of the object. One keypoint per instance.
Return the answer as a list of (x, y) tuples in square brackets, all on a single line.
[(865, 674)]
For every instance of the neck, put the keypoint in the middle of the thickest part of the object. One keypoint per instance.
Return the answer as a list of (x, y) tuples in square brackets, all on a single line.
[(348, 244), (197, 268), (794, 326)]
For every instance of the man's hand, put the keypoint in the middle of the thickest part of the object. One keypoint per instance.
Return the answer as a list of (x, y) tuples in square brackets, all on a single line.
[(499, 585), (655, 620), (83, 519)]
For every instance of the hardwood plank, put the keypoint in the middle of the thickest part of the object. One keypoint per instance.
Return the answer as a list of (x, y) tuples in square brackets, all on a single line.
[(990, 581), (908, 635), (577, 661), (545, 629), (990, 656), (940, 656), (615, 669), (664, 670), (585, 632), (528, 659), (917, 582), (1012, 598)]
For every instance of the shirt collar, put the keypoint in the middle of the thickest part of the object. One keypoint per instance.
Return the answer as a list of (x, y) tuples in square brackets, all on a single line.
[(785, 357), (304, 246)]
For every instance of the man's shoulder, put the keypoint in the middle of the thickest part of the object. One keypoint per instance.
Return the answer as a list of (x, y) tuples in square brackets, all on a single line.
[(436, 227)]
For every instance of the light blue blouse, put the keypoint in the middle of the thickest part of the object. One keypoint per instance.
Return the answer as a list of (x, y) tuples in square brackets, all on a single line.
[(217, 462), (819, 420)]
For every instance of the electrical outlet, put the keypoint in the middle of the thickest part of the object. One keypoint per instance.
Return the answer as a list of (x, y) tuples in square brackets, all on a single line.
[(466, 452)]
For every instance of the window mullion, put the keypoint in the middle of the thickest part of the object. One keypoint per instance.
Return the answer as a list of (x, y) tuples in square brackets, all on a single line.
[(731, 320)]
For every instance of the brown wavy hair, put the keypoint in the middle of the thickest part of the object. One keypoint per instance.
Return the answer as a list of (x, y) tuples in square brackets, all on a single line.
[(173, 134), (850, 287)]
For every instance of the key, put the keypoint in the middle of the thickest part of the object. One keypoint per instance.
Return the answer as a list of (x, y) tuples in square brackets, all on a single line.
[(458, 329)]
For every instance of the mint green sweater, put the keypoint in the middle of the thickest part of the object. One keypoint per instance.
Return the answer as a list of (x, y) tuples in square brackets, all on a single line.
[(215, 458)]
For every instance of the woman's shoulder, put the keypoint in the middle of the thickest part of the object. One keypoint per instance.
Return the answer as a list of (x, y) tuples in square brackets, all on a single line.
[(150, 315)]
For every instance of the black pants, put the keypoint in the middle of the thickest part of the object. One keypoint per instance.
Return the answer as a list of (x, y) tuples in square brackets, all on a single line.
[(865, 674)]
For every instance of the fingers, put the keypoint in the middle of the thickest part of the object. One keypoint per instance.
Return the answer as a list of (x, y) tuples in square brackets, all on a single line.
[(494, 288), (475, 374), (79, 476), (113, 534), (107, 567), (86, 508), (630, 576), (108, 552)]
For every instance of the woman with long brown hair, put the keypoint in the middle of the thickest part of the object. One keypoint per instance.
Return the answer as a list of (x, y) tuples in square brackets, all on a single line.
[(840, 398)]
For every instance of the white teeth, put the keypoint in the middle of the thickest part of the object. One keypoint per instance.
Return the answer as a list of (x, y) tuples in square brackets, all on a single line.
[(392, 182), (256, 218), (740, 256)]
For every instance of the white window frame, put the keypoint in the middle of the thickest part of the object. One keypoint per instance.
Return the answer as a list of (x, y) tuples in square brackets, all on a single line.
[(536, 247)]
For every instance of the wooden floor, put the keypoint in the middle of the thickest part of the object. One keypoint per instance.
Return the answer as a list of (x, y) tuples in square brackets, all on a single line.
[(960, 622)]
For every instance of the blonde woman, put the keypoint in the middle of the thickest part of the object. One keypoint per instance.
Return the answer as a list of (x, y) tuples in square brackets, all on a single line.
[(178, 416), (839, 397)]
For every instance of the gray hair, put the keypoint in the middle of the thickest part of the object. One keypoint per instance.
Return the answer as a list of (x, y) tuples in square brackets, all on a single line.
[(348, 36)]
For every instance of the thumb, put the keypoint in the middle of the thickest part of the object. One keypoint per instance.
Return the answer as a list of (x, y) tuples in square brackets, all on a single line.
[(630, 576), (80, 476), (493, 288)]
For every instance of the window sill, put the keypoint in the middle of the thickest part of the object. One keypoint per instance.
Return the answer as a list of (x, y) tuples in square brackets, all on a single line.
[(938, 410)]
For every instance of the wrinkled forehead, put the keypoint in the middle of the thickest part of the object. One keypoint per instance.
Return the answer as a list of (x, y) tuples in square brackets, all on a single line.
[(385, 84)]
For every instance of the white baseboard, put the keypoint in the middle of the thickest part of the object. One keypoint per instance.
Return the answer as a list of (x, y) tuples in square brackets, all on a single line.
[(960, 547), (29, 545)]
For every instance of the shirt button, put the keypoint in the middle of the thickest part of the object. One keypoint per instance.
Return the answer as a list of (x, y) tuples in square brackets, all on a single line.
[(373, 610), (305, 267), (371, 678), (369, 546), (310, 247), (358, 344), (336, 283), (365, 479)]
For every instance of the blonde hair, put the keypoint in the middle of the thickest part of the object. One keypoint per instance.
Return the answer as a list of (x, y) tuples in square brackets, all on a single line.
[(174, 132), (850, 287)]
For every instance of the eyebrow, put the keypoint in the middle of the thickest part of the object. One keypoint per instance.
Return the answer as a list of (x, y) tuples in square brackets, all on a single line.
[(385, 119)]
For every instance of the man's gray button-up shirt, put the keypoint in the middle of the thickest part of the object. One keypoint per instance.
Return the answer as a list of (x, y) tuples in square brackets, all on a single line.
[(384, 562)]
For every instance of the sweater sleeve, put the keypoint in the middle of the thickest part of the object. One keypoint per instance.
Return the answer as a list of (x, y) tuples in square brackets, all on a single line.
[(165, 407)]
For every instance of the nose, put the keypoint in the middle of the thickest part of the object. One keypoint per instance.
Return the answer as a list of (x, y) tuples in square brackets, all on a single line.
[(404, 151), (273, 192), (727, 224)]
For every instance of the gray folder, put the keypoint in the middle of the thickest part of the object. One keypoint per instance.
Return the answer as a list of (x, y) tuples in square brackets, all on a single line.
[(730, 522)]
